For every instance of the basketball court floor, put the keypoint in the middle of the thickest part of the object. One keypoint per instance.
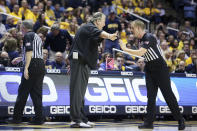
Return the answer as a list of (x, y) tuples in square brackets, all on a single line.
[(127, 125)]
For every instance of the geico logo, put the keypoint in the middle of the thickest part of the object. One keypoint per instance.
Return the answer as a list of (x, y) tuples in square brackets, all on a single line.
[(194, 109), (124, 73), (28, 110), (12, 69), (166, 109), (10, 97), (53, 71), (190, 75), (93, 72), (120, 90), (60, 109), (102, 109), (135, 109)]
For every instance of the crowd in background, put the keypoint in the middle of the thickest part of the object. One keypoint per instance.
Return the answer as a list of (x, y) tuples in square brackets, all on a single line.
[(57, 21)]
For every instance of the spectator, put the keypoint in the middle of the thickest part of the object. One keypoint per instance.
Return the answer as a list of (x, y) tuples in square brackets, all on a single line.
[(2, 26), (57, 40), (169, 61), (3, 7), (182, 39), (4, 59), (78, 12), (180, 56), (164, 46), (186, 50), (162, 13), (24, 12), (70, 13), (181, 68), (112, 25), (188, 28), (40, 22), (3, 39), (12, 4), (192, 44), (36, 13), (57, 11), (103, 64), (192, 68), (48, 64), (58, 63), (140, 65), (15, 13), (119, 62), (10, 47), (106, 9), (193, 53), (49, 12), (9, 23), (41, 6)]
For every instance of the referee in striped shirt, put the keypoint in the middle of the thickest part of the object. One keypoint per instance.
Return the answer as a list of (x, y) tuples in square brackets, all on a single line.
[(157, 74), (32, 78)]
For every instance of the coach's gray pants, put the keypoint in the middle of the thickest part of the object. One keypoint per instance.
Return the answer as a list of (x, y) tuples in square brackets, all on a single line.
[(78, 83)]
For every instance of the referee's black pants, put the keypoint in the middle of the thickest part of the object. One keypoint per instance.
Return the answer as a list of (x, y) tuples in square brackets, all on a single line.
[(79, 75), (157, 76), (32, 86)]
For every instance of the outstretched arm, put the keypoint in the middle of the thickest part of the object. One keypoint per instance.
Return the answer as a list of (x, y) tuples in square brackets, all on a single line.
[(106, 35), (139, 52)]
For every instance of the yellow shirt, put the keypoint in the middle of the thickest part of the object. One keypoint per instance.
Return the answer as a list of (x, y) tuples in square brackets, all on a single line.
[(35, 17), (15, 19), (139, 11), (6, 8), (28, 14), (119, 11), (180, 47), (152, 11), (170, 65), (50, 13), (64, 25), (123, 37), (188, 61)]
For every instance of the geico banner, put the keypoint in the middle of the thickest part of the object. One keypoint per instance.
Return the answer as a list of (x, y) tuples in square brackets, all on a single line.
[(105, 92)]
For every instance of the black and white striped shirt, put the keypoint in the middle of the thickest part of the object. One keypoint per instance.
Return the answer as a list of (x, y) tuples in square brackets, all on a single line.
[(153, 53), (32, 42)]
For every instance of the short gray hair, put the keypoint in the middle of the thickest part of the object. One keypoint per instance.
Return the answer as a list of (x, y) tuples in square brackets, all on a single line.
[(55, 26), (28, 24), (96, 16)]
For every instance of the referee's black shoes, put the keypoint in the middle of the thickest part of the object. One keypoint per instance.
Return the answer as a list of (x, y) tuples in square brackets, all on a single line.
[(13, 121), (36, 122), (146, 125), (181, 124)]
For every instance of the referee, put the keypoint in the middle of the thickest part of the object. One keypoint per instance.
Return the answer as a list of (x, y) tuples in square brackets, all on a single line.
[(32, 78), (83, 57), (157, 75)]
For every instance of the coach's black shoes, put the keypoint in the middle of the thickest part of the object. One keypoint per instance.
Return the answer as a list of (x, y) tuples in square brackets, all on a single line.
[(181, 124), (146, 125)]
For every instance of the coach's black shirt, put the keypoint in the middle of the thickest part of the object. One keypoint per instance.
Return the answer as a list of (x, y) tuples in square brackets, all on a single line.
[(86, 42), (153, 56)]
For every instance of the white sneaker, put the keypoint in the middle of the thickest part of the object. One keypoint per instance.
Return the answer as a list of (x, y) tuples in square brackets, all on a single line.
[(80, 125), (90, 123)]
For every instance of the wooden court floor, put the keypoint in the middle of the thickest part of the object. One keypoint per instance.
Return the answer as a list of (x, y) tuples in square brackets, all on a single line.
[(127, 125)]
